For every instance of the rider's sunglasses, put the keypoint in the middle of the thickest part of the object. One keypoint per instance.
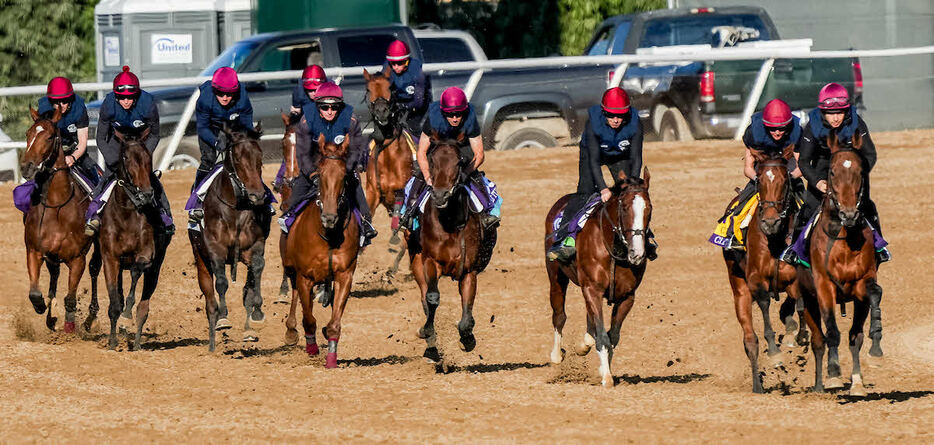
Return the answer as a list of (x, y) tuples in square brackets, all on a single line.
[(223, 94), (609, 115), (452, 114), (398, 62), (55, 102), (329, 107)]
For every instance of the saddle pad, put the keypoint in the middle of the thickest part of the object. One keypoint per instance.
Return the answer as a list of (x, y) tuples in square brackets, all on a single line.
[(734, 224), (202, 190), (82, 180)]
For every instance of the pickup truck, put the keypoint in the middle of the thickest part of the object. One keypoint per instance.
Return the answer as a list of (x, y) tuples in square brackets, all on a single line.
[(516, 108), (706, 99)]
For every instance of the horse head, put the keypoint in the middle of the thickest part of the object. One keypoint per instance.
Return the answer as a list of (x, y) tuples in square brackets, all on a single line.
[(773, 184), (845, 179), (332, 172), (244, 163), (633, 213), (136, 167), (446, 168), (379, 97), (42, 144)]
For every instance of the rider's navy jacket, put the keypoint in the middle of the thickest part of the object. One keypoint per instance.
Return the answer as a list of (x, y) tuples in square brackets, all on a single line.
[(613, 142), (601, 144), (300, 97), (75, 118), (814, 153), (410, 86), (437, 123), (344, 125), (143, 114), (211, 115)]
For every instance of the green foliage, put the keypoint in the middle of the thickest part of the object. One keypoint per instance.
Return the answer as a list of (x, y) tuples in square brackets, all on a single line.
[(41, 39), (580, 18)]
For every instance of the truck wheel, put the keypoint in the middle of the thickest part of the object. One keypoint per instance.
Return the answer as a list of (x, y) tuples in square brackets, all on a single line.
[(528, 138), (674, 127)]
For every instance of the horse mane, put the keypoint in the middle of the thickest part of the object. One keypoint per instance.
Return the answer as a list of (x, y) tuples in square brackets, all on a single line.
[(621, 184)]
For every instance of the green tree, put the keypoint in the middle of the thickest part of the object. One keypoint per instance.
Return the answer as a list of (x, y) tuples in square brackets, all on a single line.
[(41, 39), (580, 18)]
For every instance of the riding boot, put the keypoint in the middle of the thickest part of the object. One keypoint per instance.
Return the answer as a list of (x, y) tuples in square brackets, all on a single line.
[(790, 255), (564, 247), (651, 246), (162, 204), (367, 230), (196, 214), (488, 218), (410, 211), (879, 243)]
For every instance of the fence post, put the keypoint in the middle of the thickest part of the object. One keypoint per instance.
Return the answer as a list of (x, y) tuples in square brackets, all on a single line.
[(179, 130), (472, 83), (753, 98), (618, 75)]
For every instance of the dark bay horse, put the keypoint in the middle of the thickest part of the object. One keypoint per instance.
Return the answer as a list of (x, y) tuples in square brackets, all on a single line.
[(127, 237), (235, 228), (53, 226), (284, 188), (390, 165), (758, 273), (610, 264), (321, 249), (843, 269), (449, 242)]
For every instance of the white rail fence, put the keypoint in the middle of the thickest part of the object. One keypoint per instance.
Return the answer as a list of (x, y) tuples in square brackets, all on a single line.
[(765, 51)]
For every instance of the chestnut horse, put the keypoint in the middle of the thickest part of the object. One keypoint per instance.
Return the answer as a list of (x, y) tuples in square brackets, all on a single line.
[(843, 269), (390, 165), (610, 263), (322, 248), (54, 225), (759, 274), (284, 188), (127, 238), (449, 242), (235, 228)]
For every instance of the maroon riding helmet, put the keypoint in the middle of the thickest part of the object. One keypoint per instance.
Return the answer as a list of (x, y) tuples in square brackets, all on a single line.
[(777, 114), (126, 83)]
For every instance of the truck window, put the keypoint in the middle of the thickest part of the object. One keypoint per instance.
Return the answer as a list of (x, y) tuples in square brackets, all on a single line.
[(445, 49), (233, 57), (619, 39), (294, 56), (601, 44), (696, 29), (365, 50)]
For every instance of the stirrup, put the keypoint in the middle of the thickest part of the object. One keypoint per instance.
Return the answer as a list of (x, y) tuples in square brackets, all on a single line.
[(789, 256), (561, 253), (195, 216), (489, 221), (883, 255)]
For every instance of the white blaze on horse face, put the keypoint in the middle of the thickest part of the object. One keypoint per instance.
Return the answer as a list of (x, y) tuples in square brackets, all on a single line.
[(847, 163), (292, 138), (38, 130), (770, 175), (638, 225)]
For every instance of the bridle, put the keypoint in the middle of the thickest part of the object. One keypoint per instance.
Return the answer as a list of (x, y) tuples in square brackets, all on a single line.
[(47, 169), (460, 175), (230, 168), (617, 226), (782, 206), (133, 192), (831, 195), (315, 179)]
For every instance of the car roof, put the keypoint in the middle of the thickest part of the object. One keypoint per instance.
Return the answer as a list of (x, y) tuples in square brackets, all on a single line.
[(278, 35)]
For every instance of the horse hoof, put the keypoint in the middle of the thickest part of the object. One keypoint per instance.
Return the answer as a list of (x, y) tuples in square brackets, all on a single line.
[(432, 355), (424, 333), (394, 240), (312, 350), (331, 360), (250, 337), (125, 325), (834, 383), (38, 303), (50, 322), (557, 356), (283, 299), (875, 350), (222, 324), (468, 342), (69, 327), (789, 341), (856, 387), (433, 298), (257, 323), (291, 337), (582, 349)]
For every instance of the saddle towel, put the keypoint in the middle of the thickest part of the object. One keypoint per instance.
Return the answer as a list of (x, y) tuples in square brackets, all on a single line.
[(733, 225), (579, 220)]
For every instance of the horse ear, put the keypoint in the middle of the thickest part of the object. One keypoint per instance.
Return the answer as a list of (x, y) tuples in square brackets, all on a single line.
[(367, 75), (33, 113), (145, 134), (225, 128), (832, 143), (434, 136), (386, 71), (285, 119), (788, 152), (621, 176), (646, 176), (57, 116), (120, 137), (857, 140), (758, 156), (321, 140), (346, 143)]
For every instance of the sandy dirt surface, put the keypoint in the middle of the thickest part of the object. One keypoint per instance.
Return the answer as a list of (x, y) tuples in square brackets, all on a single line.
[(680, 369)]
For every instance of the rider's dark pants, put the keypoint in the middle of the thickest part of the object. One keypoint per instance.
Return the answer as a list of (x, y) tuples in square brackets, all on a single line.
[(208, 159), (586, 186)]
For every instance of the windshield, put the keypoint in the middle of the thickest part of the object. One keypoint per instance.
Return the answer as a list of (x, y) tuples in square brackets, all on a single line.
[(696, 29), (232, 57)]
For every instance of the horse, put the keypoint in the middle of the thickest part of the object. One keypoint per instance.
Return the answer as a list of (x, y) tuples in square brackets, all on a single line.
[(759, 274), (284, 188), (321, 249), (450, 241), (390, 165), (235, 228), (610, 263), (128, 240), (843, 268), (54, 225)]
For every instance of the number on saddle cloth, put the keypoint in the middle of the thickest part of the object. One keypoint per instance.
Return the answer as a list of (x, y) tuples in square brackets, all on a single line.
[(577, 222)]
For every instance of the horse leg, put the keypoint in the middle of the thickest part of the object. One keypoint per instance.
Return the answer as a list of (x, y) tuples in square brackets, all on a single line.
[(812, 317), (33, 267), (126, 318), (874, 293), (291, 334), (786, 313), (742, 305), (860, 312), (54, 271), (75, 270), (303, 287), (150, 280), (468, 291), (220, 287), (802, 337), (826, 298), (257, 265), (342, 282), (763, 300), (112, 277), (95, 269), (620, 311), (206, 283), (284, 291), (587, 344), (593, 301), (557, 292), (431, 298)]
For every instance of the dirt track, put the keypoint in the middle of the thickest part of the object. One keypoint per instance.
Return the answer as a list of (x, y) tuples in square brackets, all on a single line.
[(680, 369)]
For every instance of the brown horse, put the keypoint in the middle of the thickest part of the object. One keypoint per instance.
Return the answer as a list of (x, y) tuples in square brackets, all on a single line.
[(390, 165), (610, 263), (759, 274), (843, 269), (235, 228), (127, 237), (285, 191), (322, 248), (449, 242), (54, 226)]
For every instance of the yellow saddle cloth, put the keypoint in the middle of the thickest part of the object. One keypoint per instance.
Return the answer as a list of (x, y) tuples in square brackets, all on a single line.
[(732, 225)]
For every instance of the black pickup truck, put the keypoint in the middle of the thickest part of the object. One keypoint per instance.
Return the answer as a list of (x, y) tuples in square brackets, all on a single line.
[(706, 99)]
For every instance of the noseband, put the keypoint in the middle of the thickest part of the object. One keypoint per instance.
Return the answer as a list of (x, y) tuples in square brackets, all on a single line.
[(830, 195), (132, 190)]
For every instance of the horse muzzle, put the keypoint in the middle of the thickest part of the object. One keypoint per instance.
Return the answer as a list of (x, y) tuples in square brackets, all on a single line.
[(29, 170), (256, 199), (770, 226), (440, 198), (329, 220), (849, 218)]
